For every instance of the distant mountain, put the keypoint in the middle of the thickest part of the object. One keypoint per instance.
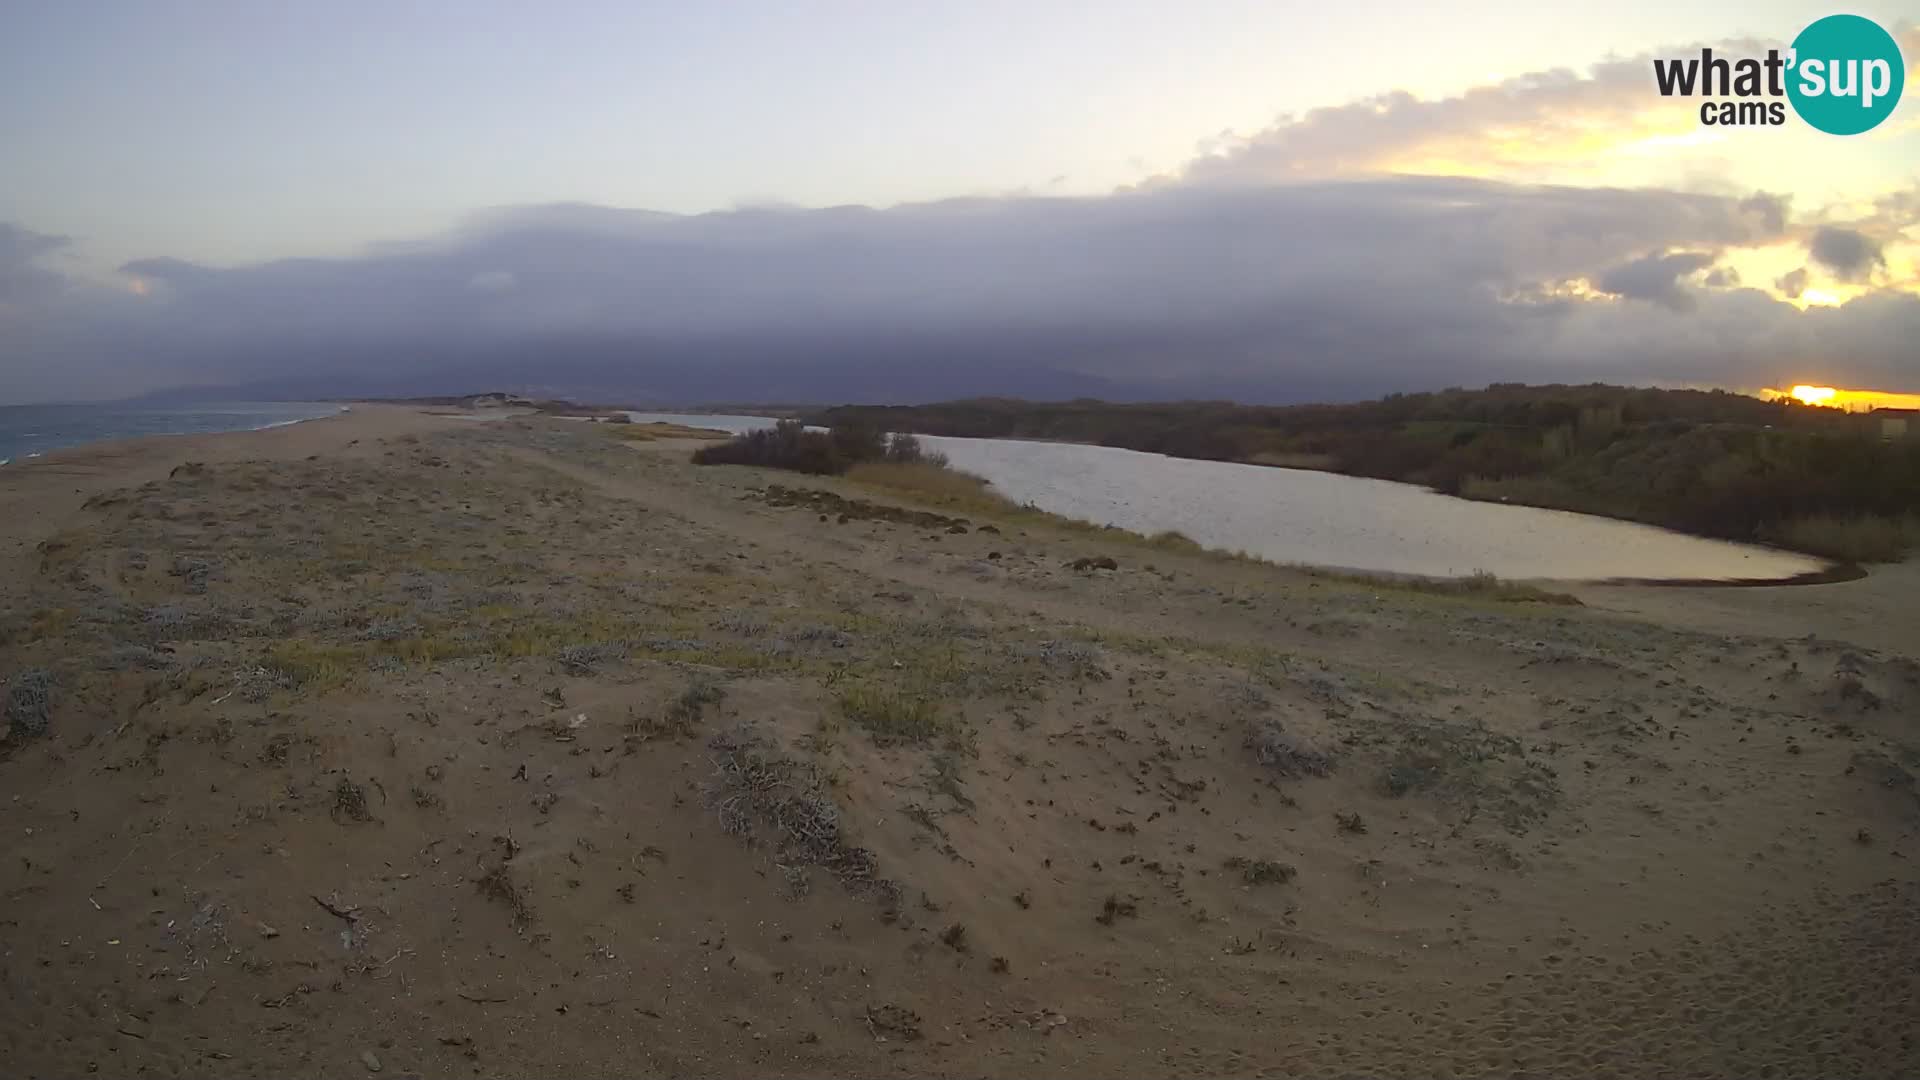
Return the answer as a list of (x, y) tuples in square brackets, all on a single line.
[(614, 373), (684, 373)]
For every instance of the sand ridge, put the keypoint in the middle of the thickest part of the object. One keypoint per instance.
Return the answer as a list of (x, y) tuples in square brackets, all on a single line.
[(470, 749)]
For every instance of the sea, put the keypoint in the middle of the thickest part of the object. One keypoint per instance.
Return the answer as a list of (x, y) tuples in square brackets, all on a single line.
[(28, 431)]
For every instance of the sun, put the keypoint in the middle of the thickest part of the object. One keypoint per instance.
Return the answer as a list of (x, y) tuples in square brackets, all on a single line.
[(1831, 397)]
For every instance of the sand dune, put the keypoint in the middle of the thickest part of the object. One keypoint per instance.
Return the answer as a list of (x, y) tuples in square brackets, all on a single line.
[(394, 742)]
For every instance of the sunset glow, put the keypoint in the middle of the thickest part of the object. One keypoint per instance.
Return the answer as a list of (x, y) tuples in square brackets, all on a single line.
[(1838, 398)]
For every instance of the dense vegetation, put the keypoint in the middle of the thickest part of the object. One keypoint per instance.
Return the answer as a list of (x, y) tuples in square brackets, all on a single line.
[(789, 445), (1709, 462)]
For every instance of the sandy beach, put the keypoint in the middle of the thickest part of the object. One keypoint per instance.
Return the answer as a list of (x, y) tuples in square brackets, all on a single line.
[(392, 742)]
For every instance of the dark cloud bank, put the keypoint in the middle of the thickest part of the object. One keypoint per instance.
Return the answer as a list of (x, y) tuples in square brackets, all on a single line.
[(1309, 290)]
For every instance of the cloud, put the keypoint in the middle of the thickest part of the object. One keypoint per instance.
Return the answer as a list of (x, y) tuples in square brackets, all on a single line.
[(1793, 283), (20, 245), (1850, 255), (1656, 278), (492, 281), (24, 278), (1341, 288), (1540, 125), (1540, 122)]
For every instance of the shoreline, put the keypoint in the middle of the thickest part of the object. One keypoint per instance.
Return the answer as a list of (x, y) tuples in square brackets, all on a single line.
[(1834, 572), (37, 498), (1824, 569), (45, 455)]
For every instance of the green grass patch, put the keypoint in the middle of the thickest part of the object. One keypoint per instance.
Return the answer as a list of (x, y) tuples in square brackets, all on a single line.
[(1479, 585), (653, 432), (891, 717), (934, 485), (314, 665)]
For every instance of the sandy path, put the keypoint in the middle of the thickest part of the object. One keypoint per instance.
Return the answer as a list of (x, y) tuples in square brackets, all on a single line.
[(1880, 611)]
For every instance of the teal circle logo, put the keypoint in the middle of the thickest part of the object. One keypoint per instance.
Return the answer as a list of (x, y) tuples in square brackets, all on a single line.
[(1846, 74)]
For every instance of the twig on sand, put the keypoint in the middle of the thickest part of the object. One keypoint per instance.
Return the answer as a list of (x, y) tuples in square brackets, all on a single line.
[(351, 914)]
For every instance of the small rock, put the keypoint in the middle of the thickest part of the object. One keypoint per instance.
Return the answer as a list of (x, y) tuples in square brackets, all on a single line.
[(268, 931), (370, 1060)]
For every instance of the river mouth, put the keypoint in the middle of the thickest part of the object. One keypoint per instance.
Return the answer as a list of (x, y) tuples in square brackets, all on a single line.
[(1346, 523)]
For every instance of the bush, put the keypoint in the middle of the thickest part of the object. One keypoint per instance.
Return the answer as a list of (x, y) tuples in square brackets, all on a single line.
[(789, 445), (28, 702), (858, 440), (904, 449), (786, 445)]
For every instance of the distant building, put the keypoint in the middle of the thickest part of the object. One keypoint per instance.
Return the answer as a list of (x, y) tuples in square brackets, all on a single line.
[(1898, 423)]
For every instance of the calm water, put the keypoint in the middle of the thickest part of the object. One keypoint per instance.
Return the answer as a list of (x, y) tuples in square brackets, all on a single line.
[(717, 421), (27, 431), (1323, 519)]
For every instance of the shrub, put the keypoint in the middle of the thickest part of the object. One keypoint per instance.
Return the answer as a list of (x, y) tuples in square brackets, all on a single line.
[(905, 449), (762, 794), (789, 445), (858, 440), (28, 702), (786, 445), (1174, 540)]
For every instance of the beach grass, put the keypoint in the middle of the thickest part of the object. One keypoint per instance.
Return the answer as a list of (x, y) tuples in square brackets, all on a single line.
[(1863, 538)]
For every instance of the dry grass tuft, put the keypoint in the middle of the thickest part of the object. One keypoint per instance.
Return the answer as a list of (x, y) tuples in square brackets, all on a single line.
[(1262, 871), (762, 795), (498, 885), (658, 430), (29, 700), (1479, 585), (934, 484), (350, 802), (892, 717), (1284, 753), (1868, 538)]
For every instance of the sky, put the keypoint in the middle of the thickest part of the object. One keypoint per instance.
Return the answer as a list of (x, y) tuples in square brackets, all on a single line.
[(745, 201)]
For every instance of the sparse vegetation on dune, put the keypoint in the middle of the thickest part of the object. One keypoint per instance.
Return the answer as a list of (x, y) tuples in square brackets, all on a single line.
[(557, 733), (657, 430), (935, 484), (1480, 585), (891, 716)]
